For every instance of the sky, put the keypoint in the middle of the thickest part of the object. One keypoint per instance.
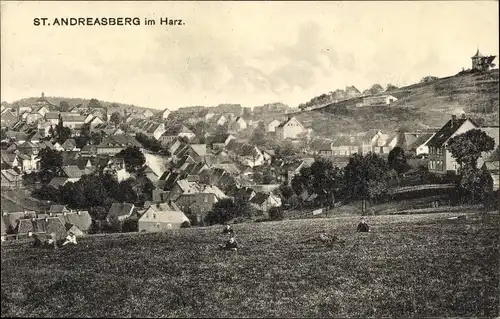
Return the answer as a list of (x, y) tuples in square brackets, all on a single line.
[(248, 53)]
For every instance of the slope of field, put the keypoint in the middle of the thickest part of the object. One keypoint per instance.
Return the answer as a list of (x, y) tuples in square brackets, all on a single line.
[(408, 266), (419, 106)]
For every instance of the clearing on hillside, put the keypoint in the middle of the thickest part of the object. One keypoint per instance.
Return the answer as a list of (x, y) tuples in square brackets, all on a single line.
[(416, 265)]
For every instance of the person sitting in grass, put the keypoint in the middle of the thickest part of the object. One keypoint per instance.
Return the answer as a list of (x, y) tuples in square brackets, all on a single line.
[(70, 239), (51, 242), (228, 230), (363, 227), (231, 244), (37, 243)]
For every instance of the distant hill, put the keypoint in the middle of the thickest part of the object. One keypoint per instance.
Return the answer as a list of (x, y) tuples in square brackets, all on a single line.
[(419, 106), (56, 100)]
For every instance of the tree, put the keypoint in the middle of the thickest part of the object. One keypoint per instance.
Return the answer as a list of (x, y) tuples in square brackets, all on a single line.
[(51, 131), (133, 158), (64, 106), (126, 192), (391, 87), (259, 135), (376, 89), (116, 118), (397, 160), (94, 103), (365, 178), (227, 209), (466, 148), (51, 161), (428, 79), (62, 133)]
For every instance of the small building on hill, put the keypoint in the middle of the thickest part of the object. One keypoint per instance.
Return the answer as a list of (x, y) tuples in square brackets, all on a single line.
[(481, 62), (379, 100)]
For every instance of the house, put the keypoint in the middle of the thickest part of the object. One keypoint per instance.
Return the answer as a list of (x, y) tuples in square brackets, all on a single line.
[(481, 62), (114, 144), (155, 130), (238, 125), (9, 160), (386, 142), (221, 120), (219, 140), (162, 217), (46, 225), (345, 146), (8, 118), (271, 127), (176, 131), (89, 118), (322, 147), (72, 172), (10, 179), (95, 121), (440, 159), (198, 203), (246, 154), (165, 114), (148, 113), (416, 142), (29, 162), (58, 209), (367, 141), (32, 117), (118, 214), (379, 100), (70, 145), (351, 91), (264, 202), (79, 222), (291, 128), (292, 169)]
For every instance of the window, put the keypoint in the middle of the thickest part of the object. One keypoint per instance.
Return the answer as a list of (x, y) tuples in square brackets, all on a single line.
[(154, 215)]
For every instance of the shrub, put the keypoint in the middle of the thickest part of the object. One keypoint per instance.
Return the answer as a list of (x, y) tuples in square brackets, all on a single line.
[(185, 224), (276, 213)]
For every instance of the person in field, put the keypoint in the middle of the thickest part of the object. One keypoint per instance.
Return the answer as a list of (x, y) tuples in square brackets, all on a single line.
[(363, 226), (228, 230), (231, 244), (37, 243), (70, 239), (51, 242)]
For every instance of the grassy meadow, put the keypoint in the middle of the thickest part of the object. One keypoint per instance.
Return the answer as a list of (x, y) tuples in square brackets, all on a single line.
[(407, 266)]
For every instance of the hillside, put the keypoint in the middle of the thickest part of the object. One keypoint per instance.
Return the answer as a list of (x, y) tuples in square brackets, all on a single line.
[(407, 266), (419, 106)]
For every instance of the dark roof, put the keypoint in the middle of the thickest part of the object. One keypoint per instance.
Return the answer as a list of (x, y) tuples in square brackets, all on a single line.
[(446, 132), (120, 140), (120, 209), (259, 198), (219, 138)]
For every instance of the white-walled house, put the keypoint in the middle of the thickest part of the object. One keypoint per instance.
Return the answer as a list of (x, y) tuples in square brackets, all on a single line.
[(379, 100), (271, 127), (291, 128)]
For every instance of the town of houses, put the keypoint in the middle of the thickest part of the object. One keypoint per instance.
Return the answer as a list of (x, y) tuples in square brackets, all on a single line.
[(197, 168)]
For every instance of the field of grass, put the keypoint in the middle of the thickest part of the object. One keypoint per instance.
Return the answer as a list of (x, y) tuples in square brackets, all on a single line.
[(418, 265)]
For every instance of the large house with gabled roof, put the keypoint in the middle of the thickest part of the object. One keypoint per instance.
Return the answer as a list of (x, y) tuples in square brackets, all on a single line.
[(440, 159)]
